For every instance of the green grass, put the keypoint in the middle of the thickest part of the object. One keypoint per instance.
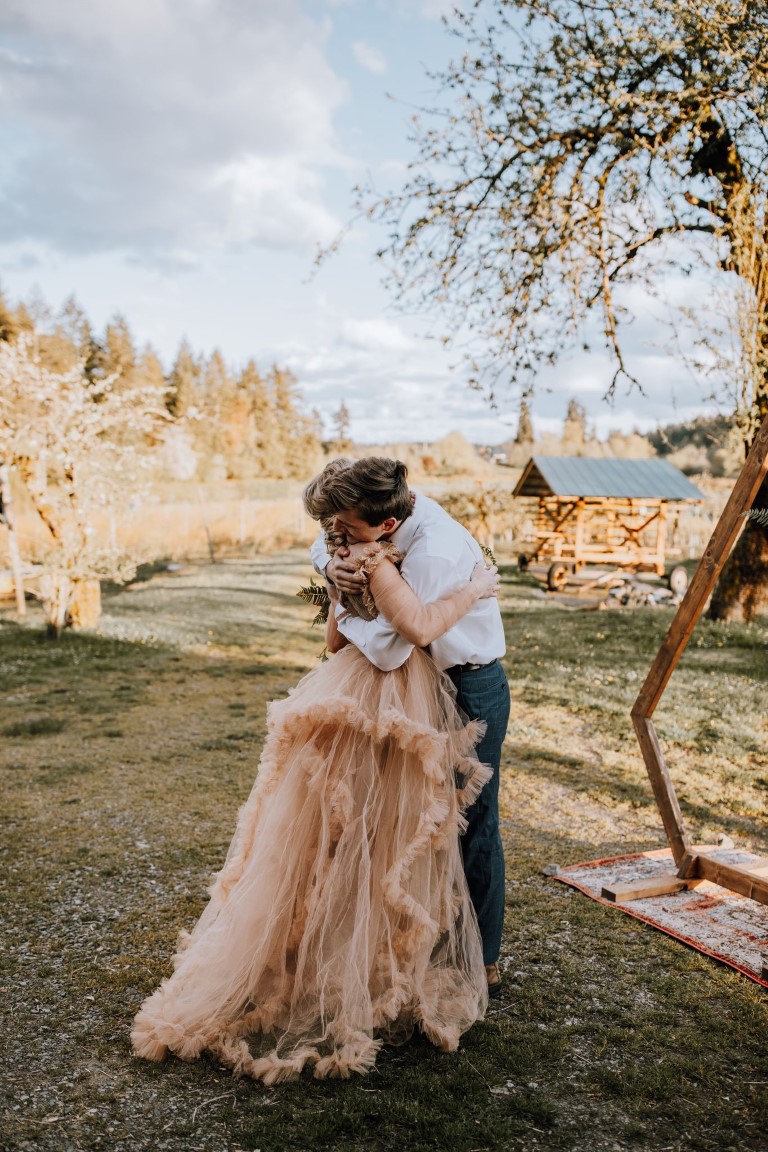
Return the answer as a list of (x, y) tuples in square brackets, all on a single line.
[(35, 726), (609, 1035)]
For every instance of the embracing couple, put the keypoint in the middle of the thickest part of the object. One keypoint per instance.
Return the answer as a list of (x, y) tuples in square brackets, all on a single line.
[(348, 911)]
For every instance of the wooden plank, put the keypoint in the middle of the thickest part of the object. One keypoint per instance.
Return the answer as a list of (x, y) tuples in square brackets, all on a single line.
[(757, 866), (661, 540), (663, 885), (732, 876), (716, 553), (658, 774), (578, 543)]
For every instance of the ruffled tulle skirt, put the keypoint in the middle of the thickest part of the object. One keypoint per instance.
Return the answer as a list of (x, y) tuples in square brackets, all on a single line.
[(341, 918)]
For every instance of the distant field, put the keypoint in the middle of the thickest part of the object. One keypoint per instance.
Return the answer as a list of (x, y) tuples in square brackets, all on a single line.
[(123, 758), (188, 521)]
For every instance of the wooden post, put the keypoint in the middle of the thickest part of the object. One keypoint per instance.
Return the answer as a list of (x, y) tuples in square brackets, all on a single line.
[(717, 551), (661, 540), (578, 545), (6, 500), (695, 863), (204, 518)]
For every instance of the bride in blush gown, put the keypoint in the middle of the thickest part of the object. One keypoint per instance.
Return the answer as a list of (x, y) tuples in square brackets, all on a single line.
[(341, 919)]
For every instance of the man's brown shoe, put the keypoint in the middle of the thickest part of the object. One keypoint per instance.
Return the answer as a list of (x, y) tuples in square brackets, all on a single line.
[(493, 976)]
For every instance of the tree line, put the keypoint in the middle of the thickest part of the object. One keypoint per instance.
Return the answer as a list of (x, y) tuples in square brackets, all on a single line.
[(222, 423)]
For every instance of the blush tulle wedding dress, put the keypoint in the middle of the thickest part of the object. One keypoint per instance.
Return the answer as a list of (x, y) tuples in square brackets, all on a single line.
[(341, 919)]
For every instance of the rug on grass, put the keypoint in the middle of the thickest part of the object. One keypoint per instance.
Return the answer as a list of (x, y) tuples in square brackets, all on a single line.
[(715, 921)]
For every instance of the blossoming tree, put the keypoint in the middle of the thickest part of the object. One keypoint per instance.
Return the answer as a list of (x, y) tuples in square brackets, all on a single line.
[(78, 448)]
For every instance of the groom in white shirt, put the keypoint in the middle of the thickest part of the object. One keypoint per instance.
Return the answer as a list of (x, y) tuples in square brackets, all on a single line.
[(370, 500)]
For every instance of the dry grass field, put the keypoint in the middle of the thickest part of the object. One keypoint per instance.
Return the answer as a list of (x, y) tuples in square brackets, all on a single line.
[(124, 756)]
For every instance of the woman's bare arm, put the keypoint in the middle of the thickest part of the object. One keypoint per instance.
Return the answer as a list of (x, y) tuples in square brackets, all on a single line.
[(419, 623), (334, 640)]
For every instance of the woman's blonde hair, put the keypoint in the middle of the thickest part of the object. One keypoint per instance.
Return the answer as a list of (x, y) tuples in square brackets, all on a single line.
[(313, 495)]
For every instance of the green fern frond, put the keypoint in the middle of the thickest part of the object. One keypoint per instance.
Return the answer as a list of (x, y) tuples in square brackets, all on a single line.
[(313, 593), (758, 516), (488, 553), (317, 595)]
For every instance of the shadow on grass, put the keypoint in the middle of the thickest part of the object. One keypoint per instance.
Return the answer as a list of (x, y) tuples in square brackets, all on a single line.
[(604, 1027)]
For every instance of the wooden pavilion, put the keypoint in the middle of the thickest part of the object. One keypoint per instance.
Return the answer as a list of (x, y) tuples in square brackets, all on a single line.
[(601, 512)]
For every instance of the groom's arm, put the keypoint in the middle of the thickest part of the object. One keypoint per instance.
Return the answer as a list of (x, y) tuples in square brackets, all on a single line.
[(318, 554), (377, 640)]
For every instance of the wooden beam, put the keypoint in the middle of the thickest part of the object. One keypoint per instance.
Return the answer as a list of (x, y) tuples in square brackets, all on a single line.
[(716, 553), (661, 540), (578, 543), (735, 877), (663, 791), (664, 885)]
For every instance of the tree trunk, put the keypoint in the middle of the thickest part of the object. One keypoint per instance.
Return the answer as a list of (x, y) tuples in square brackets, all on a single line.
[(69, 603), (741, 593), (6, 505), (85, 604), (56, 594)]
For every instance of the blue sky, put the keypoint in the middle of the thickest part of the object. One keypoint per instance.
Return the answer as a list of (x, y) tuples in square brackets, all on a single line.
[(179, 160)]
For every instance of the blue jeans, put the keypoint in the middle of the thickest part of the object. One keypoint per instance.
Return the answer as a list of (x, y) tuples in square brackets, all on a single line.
[(483, 694)]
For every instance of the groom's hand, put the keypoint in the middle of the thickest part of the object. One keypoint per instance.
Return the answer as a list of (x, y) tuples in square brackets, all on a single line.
[(343, 572)]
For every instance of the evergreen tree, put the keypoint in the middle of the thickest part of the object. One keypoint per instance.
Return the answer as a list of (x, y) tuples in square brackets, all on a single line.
[(76, 327), (341, 442), (268, 455), (524, 435), (211, 432), (300, 435), (183, 393), (575, 428), (113, 356), (9, 328)]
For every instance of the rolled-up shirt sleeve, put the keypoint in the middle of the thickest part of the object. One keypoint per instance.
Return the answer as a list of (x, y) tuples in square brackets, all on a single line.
[(318, 554), (376, 639)]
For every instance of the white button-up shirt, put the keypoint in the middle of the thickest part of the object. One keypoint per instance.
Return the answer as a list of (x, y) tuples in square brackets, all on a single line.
[(439, 557)]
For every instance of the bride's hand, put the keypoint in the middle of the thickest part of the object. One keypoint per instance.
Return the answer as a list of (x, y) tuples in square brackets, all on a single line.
[(486, 580)]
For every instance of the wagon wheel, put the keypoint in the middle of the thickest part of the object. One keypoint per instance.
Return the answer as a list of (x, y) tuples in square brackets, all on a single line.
[(523, 562), (678, 579), (556, 577)]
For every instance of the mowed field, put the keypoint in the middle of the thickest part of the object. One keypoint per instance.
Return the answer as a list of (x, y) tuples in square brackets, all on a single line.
[(123, 759)]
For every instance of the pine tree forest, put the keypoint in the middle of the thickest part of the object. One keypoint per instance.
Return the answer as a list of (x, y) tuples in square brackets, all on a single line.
[(224, 423)]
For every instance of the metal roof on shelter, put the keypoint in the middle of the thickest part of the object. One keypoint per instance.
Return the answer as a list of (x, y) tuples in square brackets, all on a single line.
[(618, 479)]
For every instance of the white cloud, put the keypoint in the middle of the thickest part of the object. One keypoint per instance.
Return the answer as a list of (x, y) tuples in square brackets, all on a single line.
[(436, 9), (369, 58), (275, 203), (162, 126), (375, 335)]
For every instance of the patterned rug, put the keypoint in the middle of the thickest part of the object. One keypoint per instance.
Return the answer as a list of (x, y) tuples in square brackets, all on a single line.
[(715, 921)]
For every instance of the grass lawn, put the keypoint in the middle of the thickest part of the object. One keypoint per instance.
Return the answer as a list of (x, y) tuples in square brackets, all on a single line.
[(124, 757)]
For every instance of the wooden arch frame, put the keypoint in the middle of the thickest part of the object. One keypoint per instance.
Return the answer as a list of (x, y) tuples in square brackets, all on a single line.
[(696, 862)]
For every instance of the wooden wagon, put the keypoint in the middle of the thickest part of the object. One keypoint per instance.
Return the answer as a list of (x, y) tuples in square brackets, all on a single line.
[(606, 512)]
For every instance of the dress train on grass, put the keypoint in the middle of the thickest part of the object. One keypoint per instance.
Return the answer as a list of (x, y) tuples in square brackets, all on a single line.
[(341, 919)]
